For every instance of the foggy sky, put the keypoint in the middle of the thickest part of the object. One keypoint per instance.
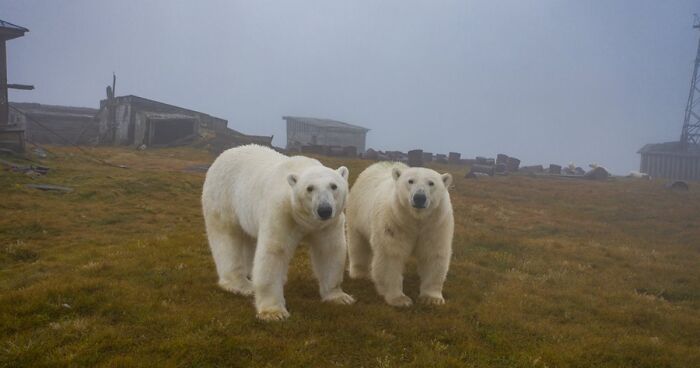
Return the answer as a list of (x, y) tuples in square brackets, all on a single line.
[(545, 81)]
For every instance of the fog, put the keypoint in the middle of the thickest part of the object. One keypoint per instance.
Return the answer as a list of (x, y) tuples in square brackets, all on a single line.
[(544, 81)]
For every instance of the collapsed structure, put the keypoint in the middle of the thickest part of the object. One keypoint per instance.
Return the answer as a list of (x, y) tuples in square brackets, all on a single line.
[(67, 124), (126, 120), (137, 121)]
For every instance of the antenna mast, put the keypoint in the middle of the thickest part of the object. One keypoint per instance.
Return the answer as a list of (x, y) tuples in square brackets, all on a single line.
[(691, 123)]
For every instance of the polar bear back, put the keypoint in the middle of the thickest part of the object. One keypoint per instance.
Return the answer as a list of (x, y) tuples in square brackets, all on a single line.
[(373, 191), (246, 182)]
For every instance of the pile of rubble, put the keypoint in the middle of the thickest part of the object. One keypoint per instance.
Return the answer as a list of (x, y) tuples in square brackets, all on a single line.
[(504, 164), (417, 157)]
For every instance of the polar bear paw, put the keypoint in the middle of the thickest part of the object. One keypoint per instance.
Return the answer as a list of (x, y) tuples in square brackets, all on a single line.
[(244, 288), (273, 314), (340, 298), (431, 300), (400, 301)]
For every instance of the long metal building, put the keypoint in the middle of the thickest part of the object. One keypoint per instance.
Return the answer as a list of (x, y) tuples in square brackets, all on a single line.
[(671, 160), (303, 131)]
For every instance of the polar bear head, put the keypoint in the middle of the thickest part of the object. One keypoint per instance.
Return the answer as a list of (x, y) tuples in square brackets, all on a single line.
[(419, 189), (318, 193)]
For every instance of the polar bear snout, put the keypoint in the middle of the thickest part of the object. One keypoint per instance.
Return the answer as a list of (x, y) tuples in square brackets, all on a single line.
[(419, 200), (324, 211)]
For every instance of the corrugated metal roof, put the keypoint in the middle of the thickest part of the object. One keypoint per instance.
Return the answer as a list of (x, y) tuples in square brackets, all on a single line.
[(670, 147), (325, 123)]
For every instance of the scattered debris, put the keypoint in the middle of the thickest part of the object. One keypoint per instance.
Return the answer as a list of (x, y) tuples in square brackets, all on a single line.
[(485, 161), (501, 168), (49, 187), (512, 164), (335, 151), (597, 173), (39, 152), (415, 158), (534, 169), (554, 169), (371, 154), (481, 169), (678, 185), (32, 170), (454, 158), (638, 175), (475, 175), (501, 158)]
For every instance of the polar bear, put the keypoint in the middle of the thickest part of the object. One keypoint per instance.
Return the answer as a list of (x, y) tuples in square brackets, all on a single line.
[(395, 211), (258, 205)]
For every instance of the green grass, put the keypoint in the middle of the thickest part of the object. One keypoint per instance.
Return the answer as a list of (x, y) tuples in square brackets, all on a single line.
[(546, 273)]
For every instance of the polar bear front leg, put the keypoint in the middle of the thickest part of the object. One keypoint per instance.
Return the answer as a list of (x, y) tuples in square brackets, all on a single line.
[(270, 267), (328, 253), (387, 269), (433, 258)]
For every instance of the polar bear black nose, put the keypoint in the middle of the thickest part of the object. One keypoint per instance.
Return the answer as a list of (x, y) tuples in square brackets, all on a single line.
[(419, 200), (324, 211)]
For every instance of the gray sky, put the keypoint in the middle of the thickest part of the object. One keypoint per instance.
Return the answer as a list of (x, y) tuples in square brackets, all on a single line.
[(545, 81)]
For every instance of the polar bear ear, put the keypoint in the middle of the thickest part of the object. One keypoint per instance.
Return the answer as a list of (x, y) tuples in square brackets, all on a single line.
[(292, 180), (447, 179), (344, 172), (395, 173)]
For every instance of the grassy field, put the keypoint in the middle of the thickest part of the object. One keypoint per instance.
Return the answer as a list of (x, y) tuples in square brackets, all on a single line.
[(546, 273)]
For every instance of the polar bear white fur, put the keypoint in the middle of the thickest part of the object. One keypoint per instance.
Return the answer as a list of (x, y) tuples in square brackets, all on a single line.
[(258, 205), (395, 211)]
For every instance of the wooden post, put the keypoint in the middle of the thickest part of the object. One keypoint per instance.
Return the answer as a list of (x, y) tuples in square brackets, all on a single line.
[(4, 103)]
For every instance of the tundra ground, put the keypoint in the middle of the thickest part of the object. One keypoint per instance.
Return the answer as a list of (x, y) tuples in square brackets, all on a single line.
[(546, 273)]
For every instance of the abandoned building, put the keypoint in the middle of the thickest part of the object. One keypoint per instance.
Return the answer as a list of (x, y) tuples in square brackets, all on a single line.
[(303, 132), (137, 121), (11, 135), (51, 124), (671, 160)]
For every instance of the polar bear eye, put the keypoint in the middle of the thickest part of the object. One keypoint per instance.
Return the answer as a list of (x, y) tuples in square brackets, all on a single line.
[(410, 181), (431, 183), (310, 188), (333, 186)]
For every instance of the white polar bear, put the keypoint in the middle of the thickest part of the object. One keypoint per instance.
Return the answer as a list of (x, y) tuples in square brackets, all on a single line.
[(395, 211), (258, 205)]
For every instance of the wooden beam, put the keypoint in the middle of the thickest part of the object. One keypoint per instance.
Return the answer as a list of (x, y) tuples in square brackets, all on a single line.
[(25, 87)]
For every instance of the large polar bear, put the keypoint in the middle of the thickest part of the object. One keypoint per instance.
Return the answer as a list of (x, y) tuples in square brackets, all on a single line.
[(258, 205), (395, 211)]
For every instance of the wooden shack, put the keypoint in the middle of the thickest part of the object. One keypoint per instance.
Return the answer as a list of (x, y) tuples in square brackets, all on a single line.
[(11, 135)]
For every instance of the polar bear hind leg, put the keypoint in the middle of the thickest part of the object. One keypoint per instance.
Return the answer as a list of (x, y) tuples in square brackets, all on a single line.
[(233, 252)]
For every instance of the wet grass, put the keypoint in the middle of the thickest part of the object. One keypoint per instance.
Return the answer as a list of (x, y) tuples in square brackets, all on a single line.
[(546, 273)]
